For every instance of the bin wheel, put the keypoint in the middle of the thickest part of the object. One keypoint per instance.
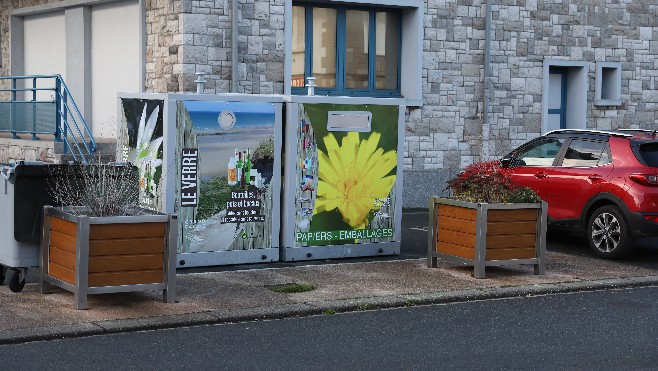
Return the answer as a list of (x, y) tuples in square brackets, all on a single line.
[(2, 274), (16, 284)]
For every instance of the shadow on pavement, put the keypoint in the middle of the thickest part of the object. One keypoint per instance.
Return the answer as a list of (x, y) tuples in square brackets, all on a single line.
[(414, 246)]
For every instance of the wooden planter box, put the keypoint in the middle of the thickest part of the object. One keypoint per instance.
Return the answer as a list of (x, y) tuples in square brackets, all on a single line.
[(485, 234), (94, 255)]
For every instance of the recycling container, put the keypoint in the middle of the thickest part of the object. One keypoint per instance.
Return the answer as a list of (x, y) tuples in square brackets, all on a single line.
[(343, 177), (215, 161), (22, 197)]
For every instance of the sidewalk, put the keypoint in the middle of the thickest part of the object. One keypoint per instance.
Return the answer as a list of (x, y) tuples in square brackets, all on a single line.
[(220, 297)]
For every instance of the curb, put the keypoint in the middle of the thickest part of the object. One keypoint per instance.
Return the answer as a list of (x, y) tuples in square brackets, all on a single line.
[(24, 335)]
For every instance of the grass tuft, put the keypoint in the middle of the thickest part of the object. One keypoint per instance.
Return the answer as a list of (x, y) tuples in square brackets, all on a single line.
[(290, 288)]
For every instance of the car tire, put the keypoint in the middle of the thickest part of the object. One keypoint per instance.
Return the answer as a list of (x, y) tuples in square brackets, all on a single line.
[(608, 233)]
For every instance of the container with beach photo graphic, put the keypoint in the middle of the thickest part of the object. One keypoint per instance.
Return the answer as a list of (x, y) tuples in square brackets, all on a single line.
[(235, 143)]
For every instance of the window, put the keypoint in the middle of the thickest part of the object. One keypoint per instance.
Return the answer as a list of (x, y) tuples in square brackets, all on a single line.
[(586, 153), (608, 84), (538, 154), (648, 154), (349, 50)]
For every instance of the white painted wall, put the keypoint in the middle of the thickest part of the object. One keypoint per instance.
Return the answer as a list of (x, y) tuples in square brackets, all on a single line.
[(115, 60), (45, 47)]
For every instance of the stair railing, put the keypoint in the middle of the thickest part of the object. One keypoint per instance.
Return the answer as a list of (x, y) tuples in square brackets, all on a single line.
[(57, 115)]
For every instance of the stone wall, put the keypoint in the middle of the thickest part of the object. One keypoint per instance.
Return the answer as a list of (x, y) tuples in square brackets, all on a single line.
[(446, 133), (13, 150), (164, 43), (185, 37)]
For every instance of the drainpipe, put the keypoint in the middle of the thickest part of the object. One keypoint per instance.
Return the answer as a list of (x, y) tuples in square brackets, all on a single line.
[(234, 46), (486, 125)]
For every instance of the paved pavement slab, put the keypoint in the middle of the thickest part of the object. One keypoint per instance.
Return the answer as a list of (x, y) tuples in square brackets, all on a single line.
[(230, 296)]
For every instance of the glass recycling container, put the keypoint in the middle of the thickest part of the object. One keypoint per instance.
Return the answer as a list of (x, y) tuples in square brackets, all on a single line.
[(215, 161)]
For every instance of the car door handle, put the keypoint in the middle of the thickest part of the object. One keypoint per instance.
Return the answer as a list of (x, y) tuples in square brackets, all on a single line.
[(540, 175), (595, 177)]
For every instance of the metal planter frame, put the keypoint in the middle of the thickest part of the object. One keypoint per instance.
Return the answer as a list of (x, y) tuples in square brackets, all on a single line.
[(81, 287), (480, 261)]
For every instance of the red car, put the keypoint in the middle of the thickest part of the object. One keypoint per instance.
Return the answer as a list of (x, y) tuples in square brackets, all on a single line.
[(603, 183)]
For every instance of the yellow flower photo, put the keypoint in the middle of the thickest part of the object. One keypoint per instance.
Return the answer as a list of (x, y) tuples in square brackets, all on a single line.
[(352, 175)]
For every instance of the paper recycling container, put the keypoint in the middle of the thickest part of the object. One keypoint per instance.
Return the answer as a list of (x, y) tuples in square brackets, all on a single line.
[(343, 177)]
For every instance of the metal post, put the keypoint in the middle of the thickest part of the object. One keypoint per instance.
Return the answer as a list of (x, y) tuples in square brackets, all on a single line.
[(480, 241), (200, 82), (44, 287), (11, 110), (65, 116), (34, 109), (58, 116), (431, 233), (82, 263), (310, 85), (170, 253), (540, 243)]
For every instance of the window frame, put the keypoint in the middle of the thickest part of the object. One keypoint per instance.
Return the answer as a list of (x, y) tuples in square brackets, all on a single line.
[(340, 89), (609, 83), (577, 90)]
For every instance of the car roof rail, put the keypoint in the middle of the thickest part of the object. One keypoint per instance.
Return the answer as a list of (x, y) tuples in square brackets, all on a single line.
[(589, 131), (640, 131)]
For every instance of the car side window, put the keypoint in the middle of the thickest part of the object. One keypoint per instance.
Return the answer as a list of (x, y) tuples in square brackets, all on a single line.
[(586, 153), (539, 154)]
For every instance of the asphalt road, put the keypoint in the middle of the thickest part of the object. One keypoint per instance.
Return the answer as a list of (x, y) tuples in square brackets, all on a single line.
[(603, 330)]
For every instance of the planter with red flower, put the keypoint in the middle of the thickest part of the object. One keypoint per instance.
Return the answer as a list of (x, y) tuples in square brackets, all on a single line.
[(488, 221)]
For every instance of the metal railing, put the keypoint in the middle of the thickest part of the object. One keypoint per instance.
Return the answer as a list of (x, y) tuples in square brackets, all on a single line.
[(46, 107)]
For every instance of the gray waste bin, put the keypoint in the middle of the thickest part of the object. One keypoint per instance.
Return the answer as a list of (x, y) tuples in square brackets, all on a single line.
[(23, 193)]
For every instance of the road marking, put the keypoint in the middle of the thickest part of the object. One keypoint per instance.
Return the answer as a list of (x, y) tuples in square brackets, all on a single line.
[(424, 229)]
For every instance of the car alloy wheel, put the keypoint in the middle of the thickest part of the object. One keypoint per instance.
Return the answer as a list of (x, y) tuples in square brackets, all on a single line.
[(608, 233), (605, 232)]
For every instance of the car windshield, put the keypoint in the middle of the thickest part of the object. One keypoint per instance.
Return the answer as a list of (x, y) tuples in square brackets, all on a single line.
[(649, 154)]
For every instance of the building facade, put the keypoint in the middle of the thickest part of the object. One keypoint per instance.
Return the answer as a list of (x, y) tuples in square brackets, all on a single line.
[(478, 78)]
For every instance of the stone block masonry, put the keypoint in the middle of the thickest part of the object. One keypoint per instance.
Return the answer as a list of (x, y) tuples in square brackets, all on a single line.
[(447, 132)]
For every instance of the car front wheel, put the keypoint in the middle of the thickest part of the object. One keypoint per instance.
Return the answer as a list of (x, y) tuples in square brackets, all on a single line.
[(608, 234)]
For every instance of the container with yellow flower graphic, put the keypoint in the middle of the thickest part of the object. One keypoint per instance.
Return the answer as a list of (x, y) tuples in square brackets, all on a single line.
[(346, 180)]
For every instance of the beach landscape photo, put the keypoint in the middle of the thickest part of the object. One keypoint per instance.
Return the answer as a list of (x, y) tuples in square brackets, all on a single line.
[(230, 136)]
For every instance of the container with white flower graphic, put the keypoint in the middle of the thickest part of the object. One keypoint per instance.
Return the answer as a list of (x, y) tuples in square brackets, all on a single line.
[(141, 141)]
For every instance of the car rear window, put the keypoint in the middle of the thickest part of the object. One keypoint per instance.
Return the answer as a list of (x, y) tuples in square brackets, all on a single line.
[(649, 154)]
